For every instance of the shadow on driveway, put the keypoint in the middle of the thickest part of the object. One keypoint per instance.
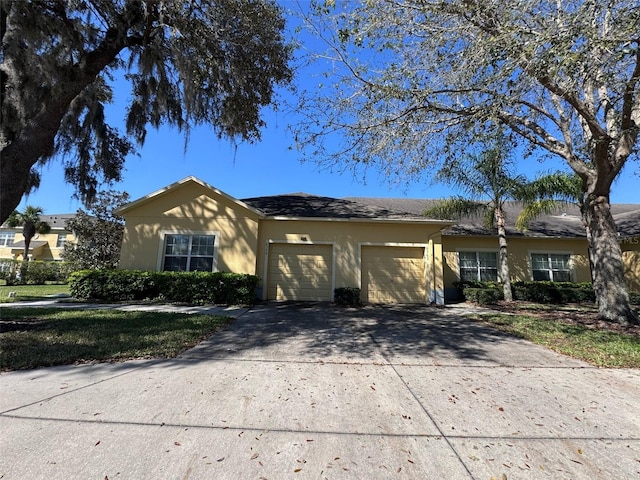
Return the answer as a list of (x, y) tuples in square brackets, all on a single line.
[(410, 334)]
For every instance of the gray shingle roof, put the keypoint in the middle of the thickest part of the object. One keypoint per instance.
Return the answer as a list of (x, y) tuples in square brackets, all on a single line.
[(57, 221), (565, 223), (302, 205)]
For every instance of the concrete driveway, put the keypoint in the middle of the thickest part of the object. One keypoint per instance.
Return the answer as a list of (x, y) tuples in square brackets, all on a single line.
[(314, 391)]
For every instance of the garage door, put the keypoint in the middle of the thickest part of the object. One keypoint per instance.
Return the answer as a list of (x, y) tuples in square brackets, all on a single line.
[(393, 275), (299, 272)]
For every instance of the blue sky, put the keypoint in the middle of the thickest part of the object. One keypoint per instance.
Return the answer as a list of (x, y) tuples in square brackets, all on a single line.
[(269, 167)]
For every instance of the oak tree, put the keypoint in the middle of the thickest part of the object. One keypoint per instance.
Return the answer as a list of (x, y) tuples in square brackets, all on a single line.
[(206, 62), (411, 83)]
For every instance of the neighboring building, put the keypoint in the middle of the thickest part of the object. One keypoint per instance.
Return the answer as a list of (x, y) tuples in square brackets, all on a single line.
[(46, 247), (553, 248), (304, 246)]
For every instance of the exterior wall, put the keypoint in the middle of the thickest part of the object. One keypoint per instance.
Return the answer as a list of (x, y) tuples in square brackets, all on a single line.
[(631, 257), (190, 208), (520, 250), (48, 252), (347, 239)]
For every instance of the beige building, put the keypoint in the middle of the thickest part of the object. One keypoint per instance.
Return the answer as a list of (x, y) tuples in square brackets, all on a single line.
[(44, 247), (304, 246)]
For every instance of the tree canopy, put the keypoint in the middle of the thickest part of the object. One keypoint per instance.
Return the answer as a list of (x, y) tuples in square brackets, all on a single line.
[(411, 83), (98, 233), (211, 62)]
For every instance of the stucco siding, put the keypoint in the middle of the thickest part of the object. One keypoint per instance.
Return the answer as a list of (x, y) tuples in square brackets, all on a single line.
[(191, 209), (47, 252), (520, 250), (347, 240)]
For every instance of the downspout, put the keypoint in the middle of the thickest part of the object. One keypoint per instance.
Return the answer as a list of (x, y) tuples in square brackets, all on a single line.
[(435, 297)]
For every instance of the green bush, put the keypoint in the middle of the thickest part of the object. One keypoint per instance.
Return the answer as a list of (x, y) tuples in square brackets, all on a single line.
[(553, 292), (347, 296), (184, 287), (538, 292), (483, 296), (38, 272), (634, 298)]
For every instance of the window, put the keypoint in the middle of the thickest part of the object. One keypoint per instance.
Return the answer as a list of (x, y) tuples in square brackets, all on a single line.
[(189, 253), (551, 267), (62, 240), (7, 238), (478, 266)]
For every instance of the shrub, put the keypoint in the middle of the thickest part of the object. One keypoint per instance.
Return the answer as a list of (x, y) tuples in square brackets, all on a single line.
[(483, 296), (347, 296), (37, 272), (634, 298), (538, 292), (553, 292), (185, 287)]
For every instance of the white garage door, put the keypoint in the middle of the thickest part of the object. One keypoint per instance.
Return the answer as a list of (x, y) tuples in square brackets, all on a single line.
[(299, 272), (393, 274)]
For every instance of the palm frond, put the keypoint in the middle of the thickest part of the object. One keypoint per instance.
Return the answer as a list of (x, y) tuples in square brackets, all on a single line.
[(489, 218), (560, 186), (454, 208), (533, 210)]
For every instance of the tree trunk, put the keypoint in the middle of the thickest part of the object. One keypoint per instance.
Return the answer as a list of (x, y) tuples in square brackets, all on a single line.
[(606, 257), (503, 259), (25, 256), (36, 140)]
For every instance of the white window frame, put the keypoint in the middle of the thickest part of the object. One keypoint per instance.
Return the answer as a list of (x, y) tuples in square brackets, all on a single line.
[(162, 246), (64, 237), (7, 238), (570, 263), (476, 251)]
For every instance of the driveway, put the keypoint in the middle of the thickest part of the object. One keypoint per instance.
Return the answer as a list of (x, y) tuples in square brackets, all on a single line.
[(315, 391)]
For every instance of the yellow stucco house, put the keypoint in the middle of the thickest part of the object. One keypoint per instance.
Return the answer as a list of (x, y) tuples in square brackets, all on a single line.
[(43, 247), (301, 246), (304, 246)]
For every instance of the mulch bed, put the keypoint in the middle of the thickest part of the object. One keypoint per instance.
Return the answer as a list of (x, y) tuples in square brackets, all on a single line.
[(575, 314)]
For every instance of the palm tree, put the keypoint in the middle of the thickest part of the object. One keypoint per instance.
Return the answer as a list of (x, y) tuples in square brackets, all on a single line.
[(546, 194), (31, 225), (488, 179)]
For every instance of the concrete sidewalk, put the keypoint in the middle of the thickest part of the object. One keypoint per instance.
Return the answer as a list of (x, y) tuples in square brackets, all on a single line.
[(233, 311), (314, 391)]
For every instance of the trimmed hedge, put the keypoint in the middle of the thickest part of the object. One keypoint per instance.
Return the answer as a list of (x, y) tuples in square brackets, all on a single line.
[(538, 292), (185, 287), (347, 296), (553, 292), (483, 296)]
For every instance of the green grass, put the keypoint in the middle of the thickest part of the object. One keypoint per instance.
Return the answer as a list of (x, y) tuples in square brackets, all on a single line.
[(598, 347), (31, 292), (51, 336)]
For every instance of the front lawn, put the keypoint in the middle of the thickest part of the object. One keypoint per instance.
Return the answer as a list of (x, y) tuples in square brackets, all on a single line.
[(31, 292), (572, 330), (41, 337)]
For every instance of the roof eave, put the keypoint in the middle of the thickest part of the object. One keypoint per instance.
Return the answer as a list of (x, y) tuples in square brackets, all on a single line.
[(426, 221)]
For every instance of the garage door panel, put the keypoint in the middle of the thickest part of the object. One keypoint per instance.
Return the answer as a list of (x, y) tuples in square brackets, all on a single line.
[(299, 272), (393, 274)]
